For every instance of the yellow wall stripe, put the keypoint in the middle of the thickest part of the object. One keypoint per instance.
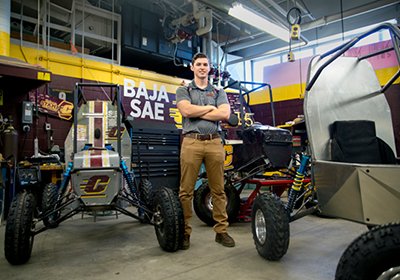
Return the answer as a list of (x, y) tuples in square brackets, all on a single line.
[(290, 92), (4, 43), (76, 67), (385, 74), (296, 91)]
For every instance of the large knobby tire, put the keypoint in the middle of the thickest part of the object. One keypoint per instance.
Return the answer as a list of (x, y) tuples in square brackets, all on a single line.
[(18, 239), (202, 203), (146, 195), (371, 254), (270, 227), (49, 201), (169, 225)]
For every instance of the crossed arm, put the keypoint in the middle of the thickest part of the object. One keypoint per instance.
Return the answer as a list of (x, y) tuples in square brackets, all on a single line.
[(208, 112)]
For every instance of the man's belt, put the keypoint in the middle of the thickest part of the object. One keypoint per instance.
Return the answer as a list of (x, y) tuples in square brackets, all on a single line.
[(202, 137)]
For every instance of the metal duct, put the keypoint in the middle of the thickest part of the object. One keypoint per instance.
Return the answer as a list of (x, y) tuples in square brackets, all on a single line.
[(204, 21)]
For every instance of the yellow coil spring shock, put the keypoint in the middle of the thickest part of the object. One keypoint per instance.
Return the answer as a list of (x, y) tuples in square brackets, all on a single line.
[(297, 183)]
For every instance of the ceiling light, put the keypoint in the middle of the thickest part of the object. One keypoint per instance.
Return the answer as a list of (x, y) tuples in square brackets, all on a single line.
[(251, 17)]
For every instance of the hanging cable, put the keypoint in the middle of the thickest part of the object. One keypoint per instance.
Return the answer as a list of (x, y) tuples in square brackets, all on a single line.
[(174, 58), (294, 23), (226, 43), (300, 73), (341, 18), (294, 13)]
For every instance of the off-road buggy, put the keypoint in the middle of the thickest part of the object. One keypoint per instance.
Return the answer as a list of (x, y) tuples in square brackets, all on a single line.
[(260, 155), (97, 177), (351, 129)]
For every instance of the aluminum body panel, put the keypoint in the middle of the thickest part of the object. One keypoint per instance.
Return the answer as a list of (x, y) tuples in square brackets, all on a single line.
[(347, 89), (363, 193), (97, 187), (96, 159), (101, 115)]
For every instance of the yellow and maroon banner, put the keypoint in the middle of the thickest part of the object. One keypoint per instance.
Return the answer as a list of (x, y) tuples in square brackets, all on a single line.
[(54, 103)]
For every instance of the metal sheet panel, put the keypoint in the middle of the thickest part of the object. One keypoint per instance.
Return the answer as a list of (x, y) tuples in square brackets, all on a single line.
[(100, 115), (97, 187), (347, 89), (96, 159), (380, 193), (338, 190), (363, 193)]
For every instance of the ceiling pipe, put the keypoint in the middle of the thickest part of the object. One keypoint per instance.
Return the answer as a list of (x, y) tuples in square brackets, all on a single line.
[(215, 15), (373, 6), (216, 8), (203, 18)]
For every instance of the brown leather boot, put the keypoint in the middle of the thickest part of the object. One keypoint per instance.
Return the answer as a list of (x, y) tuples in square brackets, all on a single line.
[(225, 239), (186, 242)]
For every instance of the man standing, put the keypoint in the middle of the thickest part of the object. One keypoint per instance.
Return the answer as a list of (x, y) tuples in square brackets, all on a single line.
[(202, 107)]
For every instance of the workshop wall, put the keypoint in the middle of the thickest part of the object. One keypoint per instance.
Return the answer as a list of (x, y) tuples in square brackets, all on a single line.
[(146, 95)]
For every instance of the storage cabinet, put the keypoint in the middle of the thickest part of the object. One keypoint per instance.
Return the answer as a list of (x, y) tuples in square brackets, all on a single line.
[(155, 153)]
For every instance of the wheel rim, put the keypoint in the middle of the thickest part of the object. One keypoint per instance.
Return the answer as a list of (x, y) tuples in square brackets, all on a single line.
[(392, 273), (260, 226), (209, 203), (160, 227)]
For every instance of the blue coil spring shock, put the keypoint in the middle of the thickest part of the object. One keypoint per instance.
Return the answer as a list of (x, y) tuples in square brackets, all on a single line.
[(131, 184), (66, 178), (297, 183), (129, 179)]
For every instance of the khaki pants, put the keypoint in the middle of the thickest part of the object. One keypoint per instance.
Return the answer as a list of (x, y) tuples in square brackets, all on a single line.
[(212, 153)]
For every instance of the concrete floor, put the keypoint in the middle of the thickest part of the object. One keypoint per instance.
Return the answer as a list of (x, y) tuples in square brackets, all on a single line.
[(124, 248)]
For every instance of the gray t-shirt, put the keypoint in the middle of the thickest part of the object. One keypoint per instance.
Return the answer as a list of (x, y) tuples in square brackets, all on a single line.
[(201, 97)]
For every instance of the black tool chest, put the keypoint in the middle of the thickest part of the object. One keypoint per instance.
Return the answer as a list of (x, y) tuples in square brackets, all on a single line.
[(155, 153)]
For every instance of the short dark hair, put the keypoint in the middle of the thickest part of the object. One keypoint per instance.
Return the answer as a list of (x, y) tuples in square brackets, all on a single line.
[(197, 56)]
